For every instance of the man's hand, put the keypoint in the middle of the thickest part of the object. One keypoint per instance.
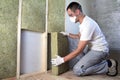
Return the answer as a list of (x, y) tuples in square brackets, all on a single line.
[(57, 61), (65, 33)]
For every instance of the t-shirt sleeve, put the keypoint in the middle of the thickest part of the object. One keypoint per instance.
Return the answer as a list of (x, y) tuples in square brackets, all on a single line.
[(87, 33)]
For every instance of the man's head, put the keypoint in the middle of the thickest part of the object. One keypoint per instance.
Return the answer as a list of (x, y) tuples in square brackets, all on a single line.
[(74, 9)]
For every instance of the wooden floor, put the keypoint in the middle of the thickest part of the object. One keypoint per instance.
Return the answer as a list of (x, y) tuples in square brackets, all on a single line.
[(66, 76)]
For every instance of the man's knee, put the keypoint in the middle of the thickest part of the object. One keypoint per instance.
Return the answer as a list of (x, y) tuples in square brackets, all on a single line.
[(79, 71)]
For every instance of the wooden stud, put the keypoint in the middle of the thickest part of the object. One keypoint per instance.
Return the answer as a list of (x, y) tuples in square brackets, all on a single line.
[(44, 53), (19, 39)]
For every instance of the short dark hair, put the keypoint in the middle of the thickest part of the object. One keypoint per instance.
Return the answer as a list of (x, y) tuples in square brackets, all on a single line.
[(74, 6)]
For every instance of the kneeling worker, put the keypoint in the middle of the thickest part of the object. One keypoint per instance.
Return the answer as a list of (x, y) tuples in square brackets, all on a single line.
[(95, 60)]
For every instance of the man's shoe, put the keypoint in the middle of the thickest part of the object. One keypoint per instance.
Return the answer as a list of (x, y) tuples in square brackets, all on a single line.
[(113, 70)]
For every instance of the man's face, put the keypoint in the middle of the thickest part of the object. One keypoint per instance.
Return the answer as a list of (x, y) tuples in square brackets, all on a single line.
[(73, 15)]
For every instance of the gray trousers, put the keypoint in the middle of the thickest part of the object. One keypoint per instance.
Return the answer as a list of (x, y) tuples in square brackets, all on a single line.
[(90, 62)]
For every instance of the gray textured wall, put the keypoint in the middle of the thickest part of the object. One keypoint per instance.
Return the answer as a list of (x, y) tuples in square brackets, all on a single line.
[(107, 14), (109, 19)]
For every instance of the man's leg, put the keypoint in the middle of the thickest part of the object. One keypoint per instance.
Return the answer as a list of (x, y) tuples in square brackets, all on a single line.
[(92, 63), (75, 60)]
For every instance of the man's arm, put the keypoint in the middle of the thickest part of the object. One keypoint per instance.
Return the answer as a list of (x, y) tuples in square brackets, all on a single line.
[(79, 49), (59, 60), (74, 36)]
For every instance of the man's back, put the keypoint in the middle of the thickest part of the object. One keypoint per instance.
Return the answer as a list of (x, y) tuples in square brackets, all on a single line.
[(91, 31)]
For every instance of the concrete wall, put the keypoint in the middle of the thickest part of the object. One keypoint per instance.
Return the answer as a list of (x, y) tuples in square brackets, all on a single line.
[(108, 17), (106, 13), (8, 37)]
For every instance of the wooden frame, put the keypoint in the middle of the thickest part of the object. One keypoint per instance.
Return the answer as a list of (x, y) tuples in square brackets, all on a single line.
[(44, 39), (19, 39)]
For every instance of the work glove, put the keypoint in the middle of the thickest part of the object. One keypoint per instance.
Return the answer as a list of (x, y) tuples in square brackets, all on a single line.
[(65, 33), (57, 61)]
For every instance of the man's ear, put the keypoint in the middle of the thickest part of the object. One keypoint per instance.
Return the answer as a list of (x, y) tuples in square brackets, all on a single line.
[(78, 12)]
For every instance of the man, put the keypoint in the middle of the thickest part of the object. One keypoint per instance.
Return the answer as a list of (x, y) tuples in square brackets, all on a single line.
[(94, 61)]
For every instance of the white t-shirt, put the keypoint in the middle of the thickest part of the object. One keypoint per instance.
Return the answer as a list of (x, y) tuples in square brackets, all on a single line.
[(90, 30)]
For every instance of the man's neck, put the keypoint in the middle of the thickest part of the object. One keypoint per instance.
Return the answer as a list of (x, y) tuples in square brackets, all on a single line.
[(81, 17)]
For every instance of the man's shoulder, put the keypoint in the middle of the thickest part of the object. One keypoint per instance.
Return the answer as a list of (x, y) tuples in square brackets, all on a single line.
[(89, 20)]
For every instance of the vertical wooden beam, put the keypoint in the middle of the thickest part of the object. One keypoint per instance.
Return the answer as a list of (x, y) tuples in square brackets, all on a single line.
[(44, 53), (46, 22), (44, 40), (19, 39)]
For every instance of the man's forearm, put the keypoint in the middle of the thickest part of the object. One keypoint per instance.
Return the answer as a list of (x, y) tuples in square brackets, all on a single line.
[(72, 55), (74, 36), (76, 52)]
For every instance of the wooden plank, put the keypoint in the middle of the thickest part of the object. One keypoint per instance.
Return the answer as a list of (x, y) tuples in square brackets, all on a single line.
[(59, 46), (19, 39), (44, 53), (44, 40)]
